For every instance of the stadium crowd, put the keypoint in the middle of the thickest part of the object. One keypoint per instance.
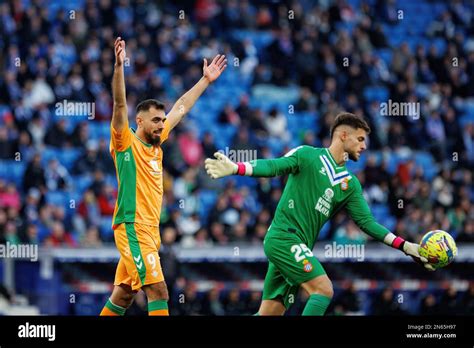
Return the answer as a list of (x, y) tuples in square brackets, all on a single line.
[(50, 55)]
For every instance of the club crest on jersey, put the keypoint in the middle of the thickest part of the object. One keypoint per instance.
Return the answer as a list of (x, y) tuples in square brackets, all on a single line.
[(344, 184), (156, 168), (307, 266)]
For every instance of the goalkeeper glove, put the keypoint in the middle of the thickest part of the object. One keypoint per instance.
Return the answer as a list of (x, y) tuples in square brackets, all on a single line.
[(220, 167), (410, 249)]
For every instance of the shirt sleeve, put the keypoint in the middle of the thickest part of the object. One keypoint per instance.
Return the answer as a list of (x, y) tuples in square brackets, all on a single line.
[(288, 164), (359, 211), (165, 133), (120, 140)]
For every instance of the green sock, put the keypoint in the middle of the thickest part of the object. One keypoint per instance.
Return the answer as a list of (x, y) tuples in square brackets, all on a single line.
[(115, 308), (316, 305)]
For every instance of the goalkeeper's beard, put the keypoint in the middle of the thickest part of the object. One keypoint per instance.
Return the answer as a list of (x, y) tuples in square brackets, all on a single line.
[(152, 139), (352, 156)]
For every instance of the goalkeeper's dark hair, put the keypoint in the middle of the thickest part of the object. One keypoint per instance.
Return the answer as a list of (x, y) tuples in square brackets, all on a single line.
[(351, 120), (150, 103)]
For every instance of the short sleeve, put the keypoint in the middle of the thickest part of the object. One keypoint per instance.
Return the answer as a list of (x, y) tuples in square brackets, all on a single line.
[(120, 140)]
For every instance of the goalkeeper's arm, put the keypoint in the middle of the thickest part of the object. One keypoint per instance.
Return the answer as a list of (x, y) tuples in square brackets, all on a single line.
[(359, 211), (223, 166)]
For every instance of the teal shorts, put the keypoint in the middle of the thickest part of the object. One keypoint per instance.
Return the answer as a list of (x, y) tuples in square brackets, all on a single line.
[(291, 263)]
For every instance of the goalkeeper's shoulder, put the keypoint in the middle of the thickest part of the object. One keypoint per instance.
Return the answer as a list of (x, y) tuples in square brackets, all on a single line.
[(304, 151)]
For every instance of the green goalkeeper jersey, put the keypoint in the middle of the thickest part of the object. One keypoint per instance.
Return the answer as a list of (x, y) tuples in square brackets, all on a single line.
[(317, 188)]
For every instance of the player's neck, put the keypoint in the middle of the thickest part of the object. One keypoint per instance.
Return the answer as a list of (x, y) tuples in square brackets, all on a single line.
[(141, 135), (337, 152)]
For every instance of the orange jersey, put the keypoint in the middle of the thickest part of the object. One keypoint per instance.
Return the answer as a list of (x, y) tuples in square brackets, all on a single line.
[(140, 177)]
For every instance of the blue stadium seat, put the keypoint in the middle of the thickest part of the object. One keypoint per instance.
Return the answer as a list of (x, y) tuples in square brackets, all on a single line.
[(105, 228), (57, 198), (376, 93), (12, 171), (207, 199), (81, 183)]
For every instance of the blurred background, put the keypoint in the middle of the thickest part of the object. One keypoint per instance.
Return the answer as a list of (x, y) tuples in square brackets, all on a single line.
[(292, 66)]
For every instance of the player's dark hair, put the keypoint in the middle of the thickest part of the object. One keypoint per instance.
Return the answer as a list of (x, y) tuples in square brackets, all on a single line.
[(150, 103), (351, 120)]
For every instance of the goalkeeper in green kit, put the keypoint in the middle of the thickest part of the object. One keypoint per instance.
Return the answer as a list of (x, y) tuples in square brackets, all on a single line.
[(318, 186)]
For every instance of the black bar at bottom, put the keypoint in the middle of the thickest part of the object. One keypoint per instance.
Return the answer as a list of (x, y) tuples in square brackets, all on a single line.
[(411, 330)]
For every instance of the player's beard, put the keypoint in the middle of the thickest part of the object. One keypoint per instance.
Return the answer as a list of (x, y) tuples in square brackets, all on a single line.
[(352, 156), (152, 139)]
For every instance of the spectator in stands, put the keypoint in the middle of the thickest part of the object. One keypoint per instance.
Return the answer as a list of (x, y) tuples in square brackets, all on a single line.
[(80, 135), (218, 234), (467, 234), (9, 196), (106, 200), (7, 147), (212, 305), (57, 135), (191, 148), (88, 162), (31, 235), (89, 208), (201, 239), (91, 238), (449, 303), (34, 175), (233, 305), (349, 234), (467, 301), (56, 175), (429, 305), (169, 259), (386, 304), (104, 158), (276, 125), (190, 303), (59, 237), (11, 233), (229, 116)]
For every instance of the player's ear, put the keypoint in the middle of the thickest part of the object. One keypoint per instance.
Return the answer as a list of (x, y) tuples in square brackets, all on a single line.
[(344, 134)]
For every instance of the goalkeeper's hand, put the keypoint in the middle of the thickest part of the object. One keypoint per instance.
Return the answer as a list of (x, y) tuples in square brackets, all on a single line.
[(220, 167), (411, 249)]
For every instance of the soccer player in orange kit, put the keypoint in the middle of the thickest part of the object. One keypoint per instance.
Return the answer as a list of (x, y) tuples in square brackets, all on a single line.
[(138, 161)]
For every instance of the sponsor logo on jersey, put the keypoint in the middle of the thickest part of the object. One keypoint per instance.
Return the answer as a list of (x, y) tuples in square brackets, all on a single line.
[(324, 203), (322, 171), (328, 195), (307, 266)]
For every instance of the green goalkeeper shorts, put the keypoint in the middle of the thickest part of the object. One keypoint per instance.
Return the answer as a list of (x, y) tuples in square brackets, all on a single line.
[(291, 263)]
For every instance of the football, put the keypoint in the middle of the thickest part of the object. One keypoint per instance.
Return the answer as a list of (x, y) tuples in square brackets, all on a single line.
[(438, 247)]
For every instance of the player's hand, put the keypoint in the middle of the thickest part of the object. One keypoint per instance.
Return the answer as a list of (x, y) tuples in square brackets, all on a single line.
[(220, 167), (119, 47), (411, 249), (215, 69)]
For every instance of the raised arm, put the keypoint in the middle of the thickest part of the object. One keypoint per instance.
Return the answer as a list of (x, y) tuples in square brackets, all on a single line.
[(359, 211), (120, 112), (223, 166), (187, 100)]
